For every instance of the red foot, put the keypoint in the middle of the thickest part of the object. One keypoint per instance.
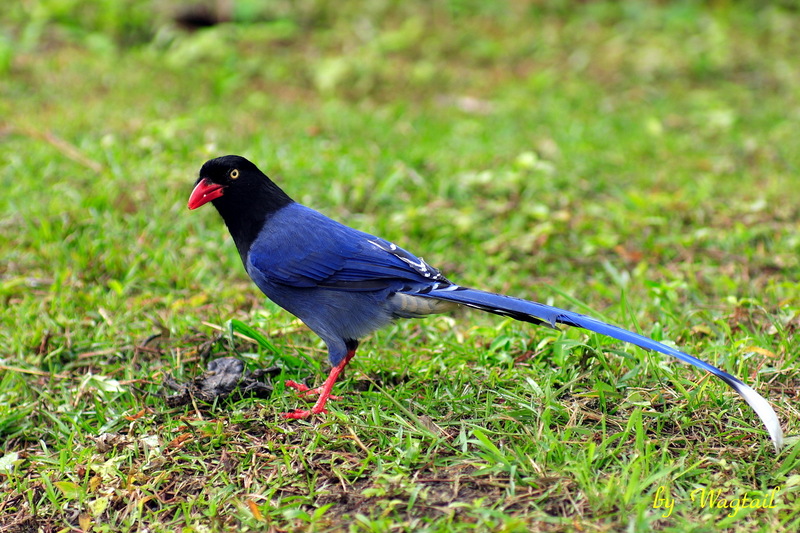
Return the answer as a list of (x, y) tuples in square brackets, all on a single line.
[(324, 391), (305, 391), (299, 414)]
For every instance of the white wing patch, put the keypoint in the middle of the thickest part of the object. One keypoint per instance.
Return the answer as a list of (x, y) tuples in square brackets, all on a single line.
[(416, 263)]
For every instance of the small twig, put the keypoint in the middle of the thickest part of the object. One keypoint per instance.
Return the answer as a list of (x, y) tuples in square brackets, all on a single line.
[(105, 351), (359, 443), (65, 147), (34, 372), (45, 344)]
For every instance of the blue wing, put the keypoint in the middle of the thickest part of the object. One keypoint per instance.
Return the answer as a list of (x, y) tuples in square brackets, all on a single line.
[(332, 255)]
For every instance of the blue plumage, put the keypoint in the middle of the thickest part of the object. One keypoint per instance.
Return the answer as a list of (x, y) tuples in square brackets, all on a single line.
[(344, 283)]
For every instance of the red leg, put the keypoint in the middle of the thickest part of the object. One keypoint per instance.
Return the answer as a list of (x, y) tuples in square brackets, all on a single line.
[(324, 391)]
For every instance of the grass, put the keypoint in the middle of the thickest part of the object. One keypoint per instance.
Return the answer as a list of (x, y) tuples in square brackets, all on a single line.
[(637, 159)]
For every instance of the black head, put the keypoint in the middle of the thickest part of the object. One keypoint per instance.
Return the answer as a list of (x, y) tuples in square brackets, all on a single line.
[(244, 196), (232, 180)]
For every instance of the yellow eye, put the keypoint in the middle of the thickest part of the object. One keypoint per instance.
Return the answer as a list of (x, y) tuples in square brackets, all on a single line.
[(234, 173)]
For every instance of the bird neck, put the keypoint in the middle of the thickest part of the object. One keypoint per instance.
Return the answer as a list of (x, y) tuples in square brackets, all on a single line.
[(246, 214)]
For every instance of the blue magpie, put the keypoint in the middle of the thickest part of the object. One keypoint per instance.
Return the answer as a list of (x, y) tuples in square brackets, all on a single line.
[(344, 283)]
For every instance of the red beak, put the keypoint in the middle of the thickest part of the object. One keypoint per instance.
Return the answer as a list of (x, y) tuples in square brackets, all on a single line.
[(204, 192)]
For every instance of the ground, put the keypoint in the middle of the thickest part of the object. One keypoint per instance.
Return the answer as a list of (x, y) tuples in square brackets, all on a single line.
[(636, 161)]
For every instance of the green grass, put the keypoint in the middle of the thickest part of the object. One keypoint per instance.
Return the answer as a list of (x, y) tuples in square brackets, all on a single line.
[(636, 159)]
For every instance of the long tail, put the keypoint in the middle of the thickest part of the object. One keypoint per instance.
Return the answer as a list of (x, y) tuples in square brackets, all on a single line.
[(537, 313)]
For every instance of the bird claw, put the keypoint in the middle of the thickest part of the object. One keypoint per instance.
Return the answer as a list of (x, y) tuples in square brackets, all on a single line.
[(300, 414), (304, 391), (324, 391)]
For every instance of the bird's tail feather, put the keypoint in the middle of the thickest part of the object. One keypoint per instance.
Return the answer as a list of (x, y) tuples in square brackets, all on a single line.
[(537, 313)]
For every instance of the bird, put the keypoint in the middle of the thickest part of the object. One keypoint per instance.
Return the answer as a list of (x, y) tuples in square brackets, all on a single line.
[(344, 283)]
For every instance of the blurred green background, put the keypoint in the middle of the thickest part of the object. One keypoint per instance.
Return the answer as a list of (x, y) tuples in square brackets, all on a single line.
[(639, 159)]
